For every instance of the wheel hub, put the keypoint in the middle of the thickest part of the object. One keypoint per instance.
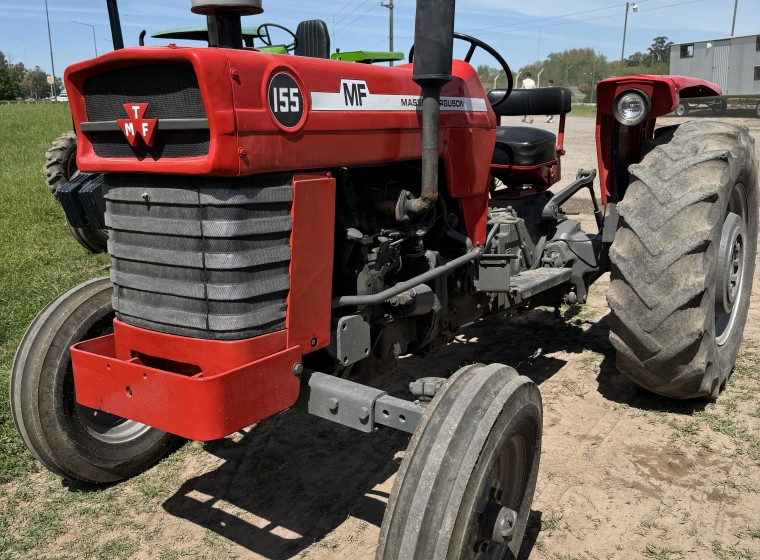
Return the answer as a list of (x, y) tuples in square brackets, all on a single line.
[(729, 274), (498, 523), (109, 428)]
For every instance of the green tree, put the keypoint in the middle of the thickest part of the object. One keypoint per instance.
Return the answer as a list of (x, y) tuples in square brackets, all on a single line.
[(636, 59), (9, 87), (571, 68), (660, 50), (35, 84), (489, 76)]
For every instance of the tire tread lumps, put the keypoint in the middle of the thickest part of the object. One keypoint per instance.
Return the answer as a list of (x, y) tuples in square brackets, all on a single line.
[(431, 484), (664, 255)]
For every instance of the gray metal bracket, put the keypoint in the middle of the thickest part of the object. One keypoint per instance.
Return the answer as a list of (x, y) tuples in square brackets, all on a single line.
[(350, 340), (355, 405), (398, 413)]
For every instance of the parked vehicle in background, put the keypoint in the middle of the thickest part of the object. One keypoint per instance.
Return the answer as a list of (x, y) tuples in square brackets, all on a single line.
[(733, 63), (62, 97)]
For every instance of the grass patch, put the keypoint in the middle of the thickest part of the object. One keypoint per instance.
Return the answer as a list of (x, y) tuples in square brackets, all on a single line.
[(583, 111), (40, 259), (661, 552), (724, 552), (551, 523)]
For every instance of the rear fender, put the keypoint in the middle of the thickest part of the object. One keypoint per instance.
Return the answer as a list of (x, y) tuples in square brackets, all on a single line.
[(617, 145)]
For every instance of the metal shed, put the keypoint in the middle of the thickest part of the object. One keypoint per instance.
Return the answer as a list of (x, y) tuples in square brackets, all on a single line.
[(733, 63)]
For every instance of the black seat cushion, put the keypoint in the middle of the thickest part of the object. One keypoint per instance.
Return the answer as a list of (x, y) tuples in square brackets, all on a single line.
[(540, 101), (313, 39), (524, 146)]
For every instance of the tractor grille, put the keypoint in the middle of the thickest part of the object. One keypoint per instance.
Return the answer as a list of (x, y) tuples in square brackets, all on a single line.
[(200, 257), (171, 91), (167, 144)]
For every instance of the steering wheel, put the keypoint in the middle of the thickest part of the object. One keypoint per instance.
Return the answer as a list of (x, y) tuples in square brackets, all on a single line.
[(474, 44), (263, 32)]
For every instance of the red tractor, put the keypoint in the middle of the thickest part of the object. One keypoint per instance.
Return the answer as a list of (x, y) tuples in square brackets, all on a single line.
[(280, 223)]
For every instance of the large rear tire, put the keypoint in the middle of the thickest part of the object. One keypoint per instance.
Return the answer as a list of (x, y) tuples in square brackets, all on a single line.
[(73, 441), (466, 484), (60, 167), (683, 261)]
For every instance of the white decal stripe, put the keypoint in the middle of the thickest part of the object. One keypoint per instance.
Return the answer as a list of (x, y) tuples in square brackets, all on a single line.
[(326, 101)]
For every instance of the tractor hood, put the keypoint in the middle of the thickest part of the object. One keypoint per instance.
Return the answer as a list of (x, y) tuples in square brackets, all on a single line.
[(229, 112)]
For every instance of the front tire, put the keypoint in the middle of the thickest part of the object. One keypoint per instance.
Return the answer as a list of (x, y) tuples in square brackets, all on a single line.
[(683, 261), (682, 110), (466, 484), (73, 441)]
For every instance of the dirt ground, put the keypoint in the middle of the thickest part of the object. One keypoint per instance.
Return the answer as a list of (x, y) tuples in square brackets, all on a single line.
[(624, 474)]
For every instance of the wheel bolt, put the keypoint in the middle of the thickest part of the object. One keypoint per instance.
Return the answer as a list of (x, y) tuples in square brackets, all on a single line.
[(505, 525)]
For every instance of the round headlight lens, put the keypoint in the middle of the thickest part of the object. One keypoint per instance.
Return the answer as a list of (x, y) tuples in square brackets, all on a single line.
[(631, 108)]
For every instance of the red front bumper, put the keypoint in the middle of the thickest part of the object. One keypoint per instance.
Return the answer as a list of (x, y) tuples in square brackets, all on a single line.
[(204, 389), (207, 389)]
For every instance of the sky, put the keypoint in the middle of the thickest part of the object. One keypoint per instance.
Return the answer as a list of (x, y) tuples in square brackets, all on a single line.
[(522, 31)]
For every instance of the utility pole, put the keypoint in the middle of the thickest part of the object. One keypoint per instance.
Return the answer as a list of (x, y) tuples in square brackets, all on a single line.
[(625, 31), (50, 43), (733, 24), (567, 75), (94, 42), (389, 5)]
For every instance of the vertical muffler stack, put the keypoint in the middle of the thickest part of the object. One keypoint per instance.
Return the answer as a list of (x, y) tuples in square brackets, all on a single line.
[(224, 26), (433, 51)]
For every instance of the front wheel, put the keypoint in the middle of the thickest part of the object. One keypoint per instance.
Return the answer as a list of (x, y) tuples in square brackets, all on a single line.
[(683, 261), (466, 484), (682, 110), (73, 441)]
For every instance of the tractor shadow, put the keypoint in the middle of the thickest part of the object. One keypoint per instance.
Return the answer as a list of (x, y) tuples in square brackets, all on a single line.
[(291, 480)]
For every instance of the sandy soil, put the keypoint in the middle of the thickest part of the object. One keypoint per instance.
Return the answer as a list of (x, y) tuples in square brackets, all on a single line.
[(624, 474)]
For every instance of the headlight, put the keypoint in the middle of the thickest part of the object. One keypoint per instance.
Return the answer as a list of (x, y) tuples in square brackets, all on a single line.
[(631, 107)]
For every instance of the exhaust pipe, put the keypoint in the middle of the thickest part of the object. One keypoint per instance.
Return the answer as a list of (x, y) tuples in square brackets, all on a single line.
[(113, 19), (223, 20), (433, 50)]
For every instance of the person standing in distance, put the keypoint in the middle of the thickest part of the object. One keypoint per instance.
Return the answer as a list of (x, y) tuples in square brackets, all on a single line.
[(550, 118), (528, 83)]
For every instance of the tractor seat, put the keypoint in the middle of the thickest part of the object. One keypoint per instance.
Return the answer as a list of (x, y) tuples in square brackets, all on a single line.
[(312, 39), (524, 146)]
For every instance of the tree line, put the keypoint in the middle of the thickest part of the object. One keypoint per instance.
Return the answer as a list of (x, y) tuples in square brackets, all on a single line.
[(19, 82), (582, 69)]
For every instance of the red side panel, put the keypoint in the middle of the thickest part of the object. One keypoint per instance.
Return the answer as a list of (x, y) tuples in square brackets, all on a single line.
[(311, 261), (239, 383), (468, 173), (623, 143), (246, 138)]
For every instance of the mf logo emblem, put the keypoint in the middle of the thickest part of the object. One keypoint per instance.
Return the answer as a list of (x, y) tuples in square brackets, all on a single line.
[(354, 92), (136, 125)]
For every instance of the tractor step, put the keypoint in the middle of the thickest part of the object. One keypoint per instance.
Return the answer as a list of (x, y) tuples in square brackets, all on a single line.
[(531, 282)]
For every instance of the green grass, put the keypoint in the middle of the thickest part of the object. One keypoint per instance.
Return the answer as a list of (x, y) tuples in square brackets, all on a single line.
[(661, 553), (39, 257), (583, 111)]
